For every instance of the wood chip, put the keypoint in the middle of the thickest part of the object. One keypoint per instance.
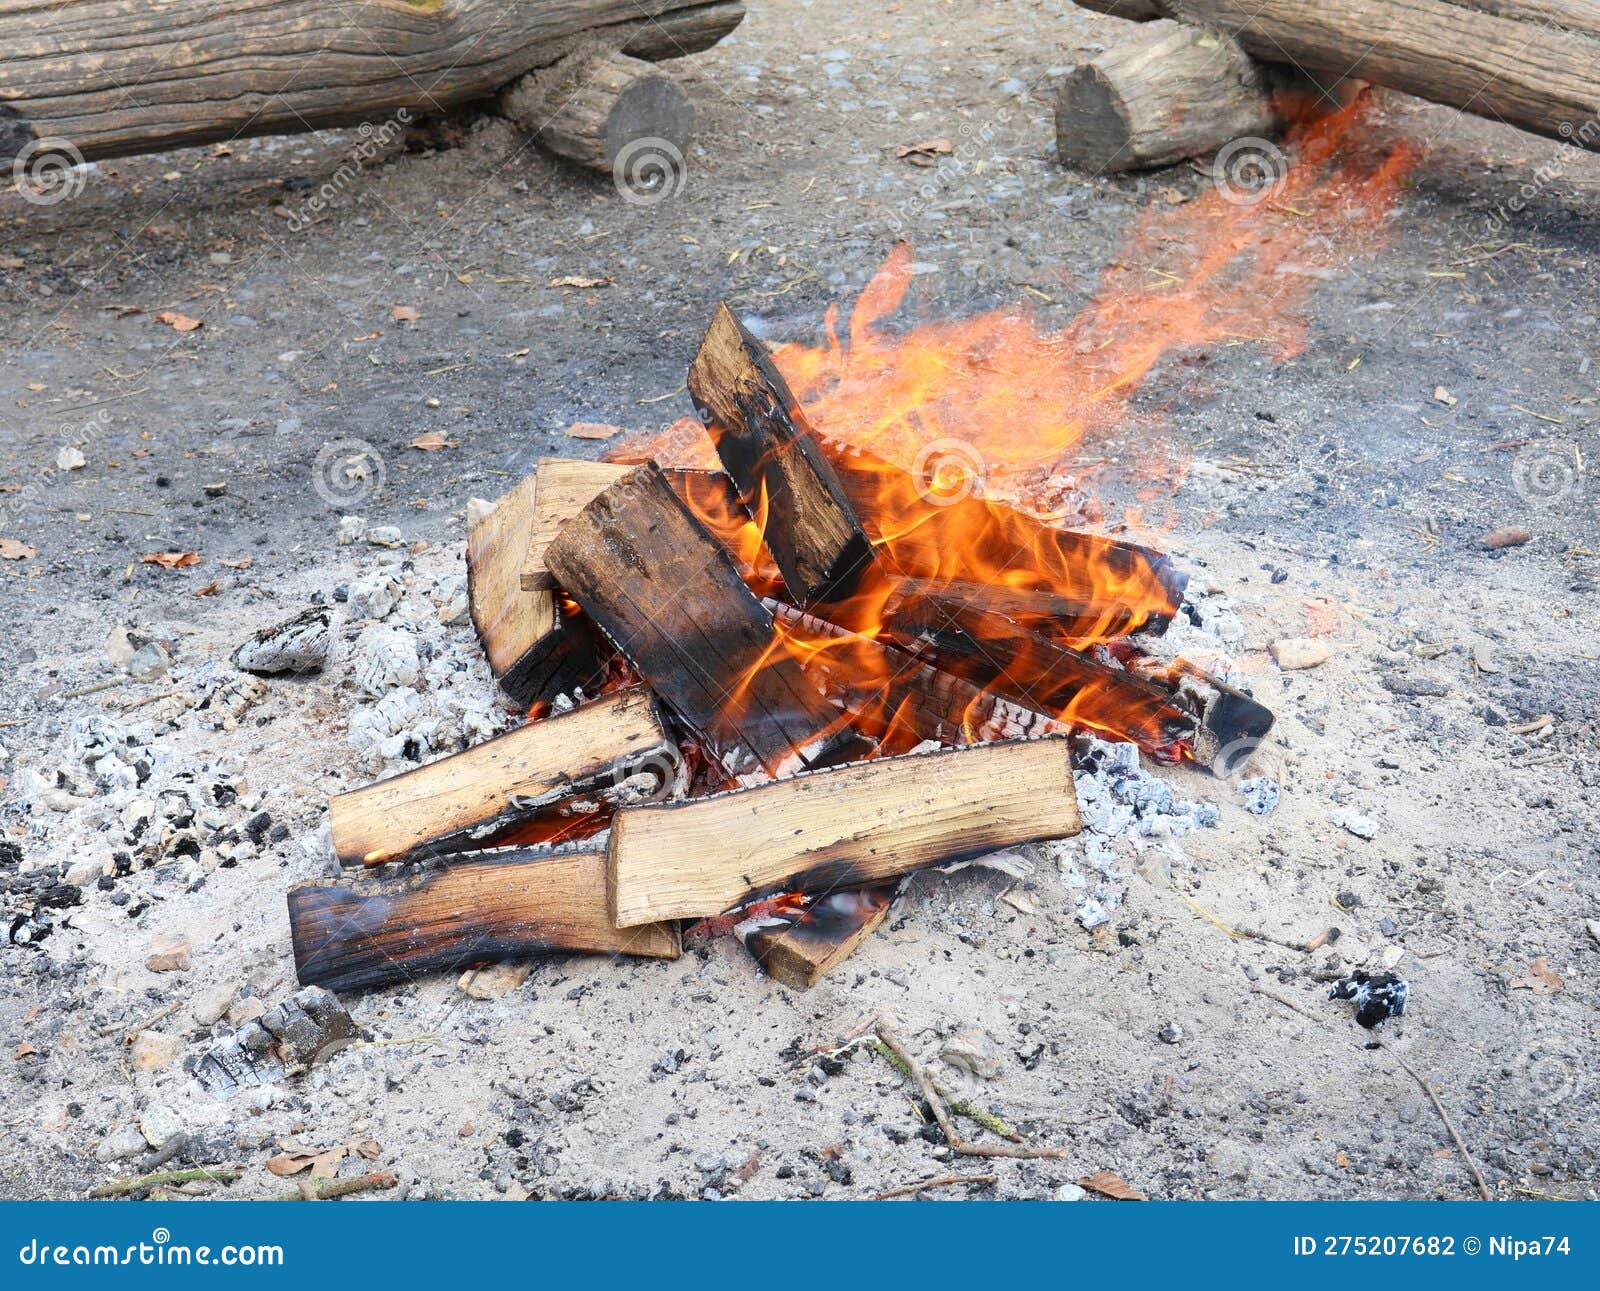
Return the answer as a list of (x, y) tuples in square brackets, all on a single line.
[(404, 314), (1507, 535), (580, 282), (592, 430), (1441, 395), (11, 549)]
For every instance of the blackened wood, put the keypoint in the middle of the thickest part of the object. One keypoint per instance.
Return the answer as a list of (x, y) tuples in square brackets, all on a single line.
[(561, 777), (970, 538), (899, 699), (799, 948), (1066, 619), (668, 596), (851, 826), (770, 451), (507, 905), (1232, 725)]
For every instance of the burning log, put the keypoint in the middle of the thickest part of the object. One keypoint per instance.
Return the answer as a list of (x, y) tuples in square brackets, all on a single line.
[(668, 596), (771, 453), (1163, 93), (897, 698), (82, 82), (519, 630), (917, 536), (599, 107), (801, 943), (846, 827), (1074, 622), (504, 906), (553, 779), (562, 487), (1231, 725), (1529, 63)]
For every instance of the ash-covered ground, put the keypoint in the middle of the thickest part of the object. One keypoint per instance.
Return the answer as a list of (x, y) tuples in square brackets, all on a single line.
[(1438, 795)]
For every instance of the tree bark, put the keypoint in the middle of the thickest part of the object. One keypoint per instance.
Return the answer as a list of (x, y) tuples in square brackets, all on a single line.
[(107, 78), (1530, 63)]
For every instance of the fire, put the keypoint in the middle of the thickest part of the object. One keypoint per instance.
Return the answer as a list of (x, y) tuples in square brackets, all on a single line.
[(954, 437)]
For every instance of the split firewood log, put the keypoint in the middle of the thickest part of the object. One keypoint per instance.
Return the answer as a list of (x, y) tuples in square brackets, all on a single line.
[(105, 78), (800, 947)]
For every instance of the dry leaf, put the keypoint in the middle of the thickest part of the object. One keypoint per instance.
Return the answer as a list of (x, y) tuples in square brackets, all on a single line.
[(11, 549), (926, 153), (580, 282), (176, 321), (1341, 1160), (404, 313), (24, 1050), (1507, 535), (368, 1149), (1111, 1185), (433, 441), (592, 430), (243, 563), (210, 589), (323, 1165), (172, 559), (1541, 979), (1443, 396)]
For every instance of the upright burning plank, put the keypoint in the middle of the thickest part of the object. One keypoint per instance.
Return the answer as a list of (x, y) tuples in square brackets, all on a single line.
[(768, 447), (668, 595), (846, 827)]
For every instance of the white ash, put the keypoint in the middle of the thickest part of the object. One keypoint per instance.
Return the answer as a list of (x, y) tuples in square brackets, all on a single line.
[(375, 595), (386, 658), (1355, 822), (352, 529), (387, 535), (1260, 794), (297, 645)]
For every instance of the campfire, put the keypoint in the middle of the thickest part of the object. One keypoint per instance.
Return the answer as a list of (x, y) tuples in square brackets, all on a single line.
[(758, 697)]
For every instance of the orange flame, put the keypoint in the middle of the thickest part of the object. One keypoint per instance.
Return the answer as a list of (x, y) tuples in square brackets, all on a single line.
[(934, 427)]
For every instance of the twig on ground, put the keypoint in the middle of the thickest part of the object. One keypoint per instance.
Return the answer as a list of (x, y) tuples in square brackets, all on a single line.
[(961, 1106), (1477, 1174), (941, 1114), (943, 1181), (140, 1183), (139, 1028), (328, 1189), (1285, 1001)]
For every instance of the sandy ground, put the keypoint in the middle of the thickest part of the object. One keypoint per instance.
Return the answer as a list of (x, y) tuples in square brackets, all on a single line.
[(1325, 498)]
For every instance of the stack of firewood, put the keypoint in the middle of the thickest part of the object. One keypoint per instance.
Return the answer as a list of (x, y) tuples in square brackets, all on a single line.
[(797, 680)]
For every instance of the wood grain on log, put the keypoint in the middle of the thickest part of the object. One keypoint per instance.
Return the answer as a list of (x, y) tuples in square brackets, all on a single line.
[(562, 487), (112, 77), (505, 906), (517, 628), (1163, 93), (847, 827), (565, 774), (669, 598), (1530, 63), (771, 453)]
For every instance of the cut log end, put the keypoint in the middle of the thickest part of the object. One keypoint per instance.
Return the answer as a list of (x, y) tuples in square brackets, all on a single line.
[(609, 113), (1164, 93)]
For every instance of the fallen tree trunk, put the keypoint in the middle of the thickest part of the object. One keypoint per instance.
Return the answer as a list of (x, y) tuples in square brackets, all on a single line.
[(1530, 63), (106, 78)]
